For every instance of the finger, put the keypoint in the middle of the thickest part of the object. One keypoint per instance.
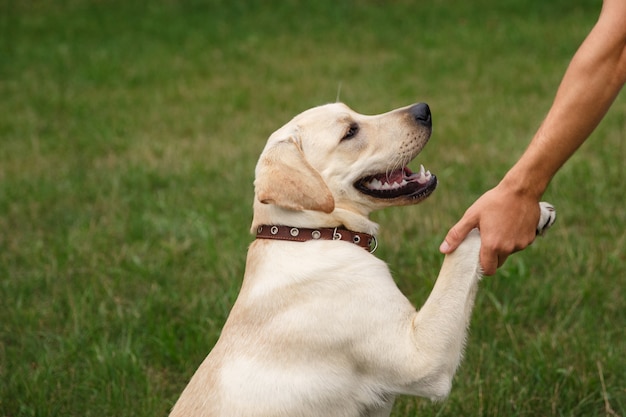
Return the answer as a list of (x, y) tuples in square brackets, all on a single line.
[(489, 261), (456, 235), (502, 259)]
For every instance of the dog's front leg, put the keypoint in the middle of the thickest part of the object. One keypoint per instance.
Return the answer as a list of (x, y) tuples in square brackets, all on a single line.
[(439, 328)]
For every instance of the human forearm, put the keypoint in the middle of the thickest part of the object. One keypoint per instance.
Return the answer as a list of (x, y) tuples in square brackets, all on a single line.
[(591, 83)]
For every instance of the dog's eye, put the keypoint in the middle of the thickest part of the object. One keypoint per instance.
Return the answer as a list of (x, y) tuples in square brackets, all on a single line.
[(352, 131)]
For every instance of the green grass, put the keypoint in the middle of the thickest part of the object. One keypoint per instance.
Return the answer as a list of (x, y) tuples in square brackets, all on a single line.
[(128, 138)]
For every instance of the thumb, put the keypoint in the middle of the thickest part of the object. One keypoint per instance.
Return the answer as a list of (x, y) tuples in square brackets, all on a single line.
[(455, 236)]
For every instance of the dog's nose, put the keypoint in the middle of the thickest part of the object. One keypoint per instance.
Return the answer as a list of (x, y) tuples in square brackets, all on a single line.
[(421, 114)]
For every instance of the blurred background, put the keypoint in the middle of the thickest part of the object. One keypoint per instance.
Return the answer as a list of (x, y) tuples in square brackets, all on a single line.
[(129, 132)]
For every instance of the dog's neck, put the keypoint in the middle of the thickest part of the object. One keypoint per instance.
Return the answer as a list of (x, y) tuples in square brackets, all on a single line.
[(268, 214), (303, 234)]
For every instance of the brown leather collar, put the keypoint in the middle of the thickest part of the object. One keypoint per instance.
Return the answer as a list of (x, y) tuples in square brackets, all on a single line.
[(300, 234)]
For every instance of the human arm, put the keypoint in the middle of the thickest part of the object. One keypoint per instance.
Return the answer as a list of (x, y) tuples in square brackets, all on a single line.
[(507, 215)]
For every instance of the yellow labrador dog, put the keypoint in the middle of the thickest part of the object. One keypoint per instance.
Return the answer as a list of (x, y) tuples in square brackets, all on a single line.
[(319, 327)]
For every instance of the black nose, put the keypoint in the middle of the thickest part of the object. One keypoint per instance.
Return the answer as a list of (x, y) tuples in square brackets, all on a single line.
[(421, 114)]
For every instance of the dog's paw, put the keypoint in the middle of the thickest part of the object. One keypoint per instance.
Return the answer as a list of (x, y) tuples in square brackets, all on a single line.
[(546, 218)]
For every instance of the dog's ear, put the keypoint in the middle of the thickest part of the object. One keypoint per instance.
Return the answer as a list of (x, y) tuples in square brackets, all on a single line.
[(285, 178)]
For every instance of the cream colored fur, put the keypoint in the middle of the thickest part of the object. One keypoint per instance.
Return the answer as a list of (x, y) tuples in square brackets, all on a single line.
[(320, 328)]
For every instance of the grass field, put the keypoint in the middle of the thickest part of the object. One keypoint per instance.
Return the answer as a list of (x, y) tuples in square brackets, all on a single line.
[(128, 138)]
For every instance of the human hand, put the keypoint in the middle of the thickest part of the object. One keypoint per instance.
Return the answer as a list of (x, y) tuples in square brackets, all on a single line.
[(507, 222)]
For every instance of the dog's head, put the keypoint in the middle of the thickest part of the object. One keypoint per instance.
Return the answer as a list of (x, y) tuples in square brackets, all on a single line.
[(331, 166)]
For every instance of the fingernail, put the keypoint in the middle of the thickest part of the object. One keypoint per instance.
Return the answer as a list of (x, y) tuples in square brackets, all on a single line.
[(444, 248)]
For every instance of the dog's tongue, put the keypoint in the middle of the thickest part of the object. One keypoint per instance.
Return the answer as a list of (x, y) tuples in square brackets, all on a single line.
[(395, 176)]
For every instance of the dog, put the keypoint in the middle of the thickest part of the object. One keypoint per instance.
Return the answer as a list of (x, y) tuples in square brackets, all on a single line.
[(319, 327)]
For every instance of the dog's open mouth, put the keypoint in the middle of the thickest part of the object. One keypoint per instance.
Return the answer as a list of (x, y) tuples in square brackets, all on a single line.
[(399, 183)]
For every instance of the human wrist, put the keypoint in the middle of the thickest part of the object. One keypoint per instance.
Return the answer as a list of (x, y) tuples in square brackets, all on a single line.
[(524, 183)]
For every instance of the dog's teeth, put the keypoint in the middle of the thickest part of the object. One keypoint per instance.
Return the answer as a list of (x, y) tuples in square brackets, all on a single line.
[(423, 176), (396, 185), (375, 183)]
